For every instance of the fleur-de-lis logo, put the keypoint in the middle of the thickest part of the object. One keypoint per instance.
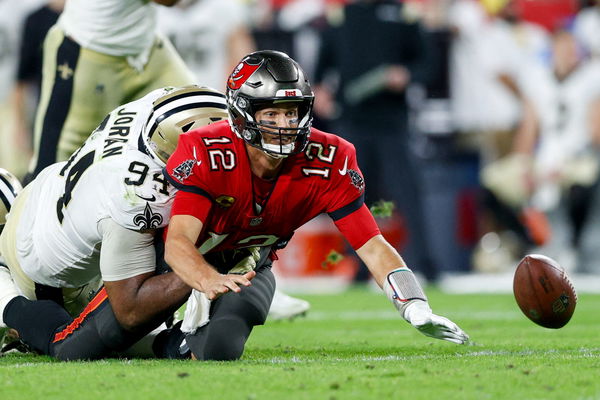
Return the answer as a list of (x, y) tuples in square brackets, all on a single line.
[(65, 71), (148, 219)]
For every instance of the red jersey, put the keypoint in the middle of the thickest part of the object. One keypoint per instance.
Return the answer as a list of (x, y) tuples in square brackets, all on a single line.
[(211, 169)]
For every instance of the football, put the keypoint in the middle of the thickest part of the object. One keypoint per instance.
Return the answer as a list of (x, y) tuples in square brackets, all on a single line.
[(544, 292)]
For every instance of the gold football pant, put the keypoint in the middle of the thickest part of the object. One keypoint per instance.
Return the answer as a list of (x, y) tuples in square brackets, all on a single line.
[(81, 86)]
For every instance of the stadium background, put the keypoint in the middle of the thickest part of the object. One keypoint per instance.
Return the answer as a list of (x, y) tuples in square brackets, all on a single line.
[(318, 259)]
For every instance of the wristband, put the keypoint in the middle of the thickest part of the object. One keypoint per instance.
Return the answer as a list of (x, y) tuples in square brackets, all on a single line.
[(402, 288)]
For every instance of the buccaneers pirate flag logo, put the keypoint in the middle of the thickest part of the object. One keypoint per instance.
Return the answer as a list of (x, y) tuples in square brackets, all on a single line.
[(242, 72)]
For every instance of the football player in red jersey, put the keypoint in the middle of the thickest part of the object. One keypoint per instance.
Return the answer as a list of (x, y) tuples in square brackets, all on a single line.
[(249, 183)]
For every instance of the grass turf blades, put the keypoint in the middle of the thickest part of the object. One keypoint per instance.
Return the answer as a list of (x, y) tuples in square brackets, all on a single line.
[(352, 346)]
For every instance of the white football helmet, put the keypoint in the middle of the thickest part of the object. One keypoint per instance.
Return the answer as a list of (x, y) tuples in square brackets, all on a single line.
[(179, 111), (9, 188)]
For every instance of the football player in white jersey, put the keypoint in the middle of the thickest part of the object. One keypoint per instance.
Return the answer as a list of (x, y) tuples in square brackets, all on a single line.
[(586, 26), (566, 162), (555, 164), (210, 35), (96, 217), (100, 54)]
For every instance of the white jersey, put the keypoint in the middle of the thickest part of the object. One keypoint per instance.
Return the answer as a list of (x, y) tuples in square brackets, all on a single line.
[(484, 49), (111, 176), (586, 28), (200, 31), (563, 110), (114, 27)]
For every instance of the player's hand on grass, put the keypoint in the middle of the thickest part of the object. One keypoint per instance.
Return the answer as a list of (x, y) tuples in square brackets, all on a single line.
[(217, 284), (419, 315)]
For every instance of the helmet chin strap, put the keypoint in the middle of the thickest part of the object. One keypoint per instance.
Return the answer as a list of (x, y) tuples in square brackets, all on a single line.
[(274, 150)]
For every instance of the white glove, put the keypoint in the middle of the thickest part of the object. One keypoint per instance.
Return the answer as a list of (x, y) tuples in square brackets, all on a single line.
[(418, 314)]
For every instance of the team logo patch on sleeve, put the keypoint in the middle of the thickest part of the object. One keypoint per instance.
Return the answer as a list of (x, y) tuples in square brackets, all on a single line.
[(356, 180), (183, 170), (148, 219)]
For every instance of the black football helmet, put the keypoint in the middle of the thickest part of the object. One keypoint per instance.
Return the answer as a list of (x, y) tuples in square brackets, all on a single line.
[(260, 80)]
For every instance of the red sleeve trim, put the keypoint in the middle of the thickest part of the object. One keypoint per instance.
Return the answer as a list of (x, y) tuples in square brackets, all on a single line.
[(194, 204), (358, 227)]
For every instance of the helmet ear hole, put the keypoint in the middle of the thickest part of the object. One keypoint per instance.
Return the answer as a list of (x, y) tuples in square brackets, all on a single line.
[(187, 127)]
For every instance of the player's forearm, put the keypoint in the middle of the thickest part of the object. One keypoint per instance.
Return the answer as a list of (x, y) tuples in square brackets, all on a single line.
[(154, 300), (157, 298), (183, 257), (380, 257)]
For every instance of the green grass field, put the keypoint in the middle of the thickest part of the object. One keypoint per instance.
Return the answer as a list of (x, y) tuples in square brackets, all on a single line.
[(352, 346)]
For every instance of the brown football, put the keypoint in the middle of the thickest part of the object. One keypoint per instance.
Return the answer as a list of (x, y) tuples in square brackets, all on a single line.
[(544, 292)]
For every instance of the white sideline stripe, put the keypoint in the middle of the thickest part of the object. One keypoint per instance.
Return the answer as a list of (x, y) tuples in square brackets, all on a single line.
[(389, 315), (474, 283), (452, 283)]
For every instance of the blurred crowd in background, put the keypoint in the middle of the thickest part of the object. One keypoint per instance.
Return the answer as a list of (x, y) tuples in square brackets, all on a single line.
[(478, 119)]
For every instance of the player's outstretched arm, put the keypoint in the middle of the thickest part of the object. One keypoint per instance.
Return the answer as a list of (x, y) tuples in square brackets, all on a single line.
[(183, 257), (402, 288)]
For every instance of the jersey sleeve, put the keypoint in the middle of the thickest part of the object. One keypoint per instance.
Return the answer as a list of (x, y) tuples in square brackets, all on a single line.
[(125, 253), (347, 187), (187, 168), (140, 198), (189, 203), (358, 227)]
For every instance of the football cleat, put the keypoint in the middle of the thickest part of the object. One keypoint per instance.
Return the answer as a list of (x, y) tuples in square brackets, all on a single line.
[(10, 342), (287, 307)]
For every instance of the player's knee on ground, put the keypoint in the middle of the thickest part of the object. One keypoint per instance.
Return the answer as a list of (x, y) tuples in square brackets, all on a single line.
[(224, 338), (36, 321), (232, 318)]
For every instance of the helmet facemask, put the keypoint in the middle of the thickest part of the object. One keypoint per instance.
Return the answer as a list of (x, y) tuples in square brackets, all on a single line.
[(276, 141), (266, 79)]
